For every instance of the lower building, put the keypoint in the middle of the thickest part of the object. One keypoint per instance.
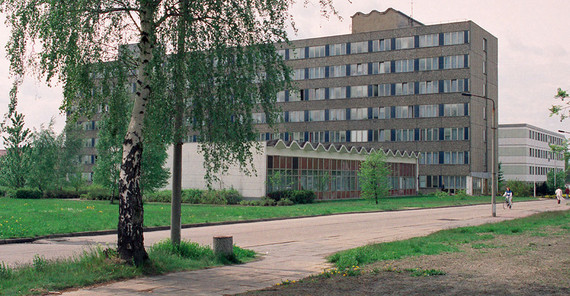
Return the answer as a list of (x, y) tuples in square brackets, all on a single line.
[(328, 170), (525, 152)]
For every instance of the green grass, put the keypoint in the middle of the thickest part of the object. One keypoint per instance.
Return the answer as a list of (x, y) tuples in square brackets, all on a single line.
[(447, 241), (30, 218), (99, 266)]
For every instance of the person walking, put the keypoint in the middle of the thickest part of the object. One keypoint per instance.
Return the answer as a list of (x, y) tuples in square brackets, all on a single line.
[(509, 197), (567, 192), (558, 194)]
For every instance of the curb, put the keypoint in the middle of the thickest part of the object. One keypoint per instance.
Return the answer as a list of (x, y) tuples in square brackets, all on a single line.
[(196, 225)]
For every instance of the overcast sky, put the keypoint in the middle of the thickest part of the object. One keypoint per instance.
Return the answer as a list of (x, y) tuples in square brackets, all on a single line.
[(534, 52)]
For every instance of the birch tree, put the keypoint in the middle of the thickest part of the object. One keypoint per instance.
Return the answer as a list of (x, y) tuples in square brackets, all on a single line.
[(231, 68)]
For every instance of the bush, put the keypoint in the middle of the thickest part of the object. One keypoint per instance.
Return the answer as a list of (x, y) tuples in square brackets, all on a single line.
[(158, 196), (27, 193), (267, 202), (4, 190), (96, 192), (62, 193), (285, 202), (520, 188), (192, 196), (232, 196), (302, 196), (278, 195)]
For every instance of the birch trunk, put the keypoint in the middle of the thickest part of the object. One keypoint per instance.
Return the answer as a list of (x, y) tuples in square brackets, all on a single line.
[(130, 245)]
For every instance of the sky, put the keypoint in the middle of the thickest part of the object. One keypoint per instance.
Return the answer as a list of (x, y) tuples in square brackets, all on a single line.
[(534, 52)]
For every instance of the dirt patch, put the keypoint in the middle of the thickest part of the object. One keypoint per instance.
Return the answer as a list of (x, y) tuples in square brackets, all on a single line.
[(533, 263)]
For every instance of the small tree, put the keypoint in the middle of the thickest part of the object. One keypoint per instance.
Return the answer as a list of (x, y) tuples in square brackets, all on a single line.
[(554, 181), (45, 150), (500, 177), (374, 176), (15, 164)]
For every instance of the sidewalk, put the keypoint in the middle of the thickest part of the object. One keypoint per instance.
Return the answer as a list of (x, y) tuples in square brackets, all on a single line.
[(291, 249)]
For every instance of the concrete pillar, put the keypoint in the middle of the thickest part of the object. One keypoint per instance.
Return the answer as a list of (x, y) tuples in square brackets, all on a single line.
[(224, 246)]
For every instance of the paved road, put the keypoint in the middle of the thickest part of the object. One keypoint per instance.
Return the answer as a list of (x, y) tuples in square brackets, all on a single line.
[(292, 249)]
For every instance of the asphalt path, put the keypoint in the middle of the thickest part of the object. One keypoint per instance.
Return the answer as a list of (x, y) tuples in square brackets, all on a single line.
[(290, 249)]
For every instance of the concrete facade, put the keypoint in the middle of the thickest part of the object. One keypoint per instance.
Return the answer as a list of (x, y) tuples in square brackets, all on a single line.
[(399, 87), (525, 153)]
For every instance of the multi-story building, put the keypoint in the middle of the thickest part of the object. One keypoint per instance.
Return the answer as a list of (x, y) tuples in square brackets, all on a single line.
[(397, 84), (525, 152)]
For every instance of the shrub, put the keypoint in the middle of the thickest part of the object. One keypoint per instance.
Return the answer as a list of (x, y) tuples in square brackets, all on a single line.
[(4, 190), (27, 193), (285, 202), (192, 196), (214, 197), (96, 192), (62, 193), (520, 188), (302, 196), (158, 196), (232, 196), (267, 202), (278, 195)]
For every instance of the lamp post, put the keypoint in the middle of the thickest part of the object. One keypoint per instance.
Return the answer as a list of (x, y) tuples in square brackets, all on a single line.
[(493, 152)]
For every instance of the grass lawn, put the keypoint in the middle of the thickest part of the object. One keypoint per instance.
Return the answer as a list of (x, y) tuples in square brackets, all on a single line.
[(31, 217)]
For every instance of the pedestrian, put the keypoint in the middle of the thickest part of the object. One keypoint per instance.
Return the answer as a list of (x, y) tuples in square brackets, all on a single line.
[(509, 197), (558, 194), (567, 192)]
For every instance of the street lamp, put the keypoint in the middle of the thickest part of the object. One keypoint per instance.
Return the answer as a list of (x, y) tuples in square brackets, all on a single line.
[(493, 151)]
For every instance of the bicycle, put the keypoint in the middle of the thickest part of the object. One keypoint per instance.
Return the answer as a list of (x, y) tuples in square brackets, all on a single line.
[(506, 204)]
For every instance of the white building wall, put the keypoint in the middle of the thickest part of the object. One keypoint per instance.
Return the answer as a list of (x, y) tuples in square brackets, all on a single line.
[(193, 173), (514, 156)]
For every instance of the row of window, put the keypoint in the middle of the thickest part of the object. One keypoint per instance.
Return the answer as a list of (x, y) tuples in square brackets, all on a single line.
[(539, 153), (541, 171), (375, 90), (417, 41), (380, 135), (447, 182), (444, 157), (398, 66), (415, 111), (542, 137)]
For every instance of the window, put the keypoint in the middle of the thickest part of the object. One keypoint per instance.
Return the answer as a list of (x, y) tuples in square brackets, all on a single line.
[(297, 53), (337, 136), (281, 96), (316, 94), (259, 118), (404, 112), (359, 136), (381, 90), (358, 113), (454, 62), (382, 45), (404, 66), (298, 74), (379, 136), (429, 134), (380, 67), (316, 115), (454, 157), (404, 88), (428, 64), (296, 116), (337, 93), (316, 137), (404, 135), (318, 72), (296, 95), (337, 114), (429, 158), (359, 91), (337, 71), (453, 38), (358, 69), (429, 87), (428, 110), (337, 49), (404, 42), (453, 110), (359, 47), (485, 44), (454, 134), (453, 85), (316, 51), (281, 52), (384, 113), (429, 40)]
